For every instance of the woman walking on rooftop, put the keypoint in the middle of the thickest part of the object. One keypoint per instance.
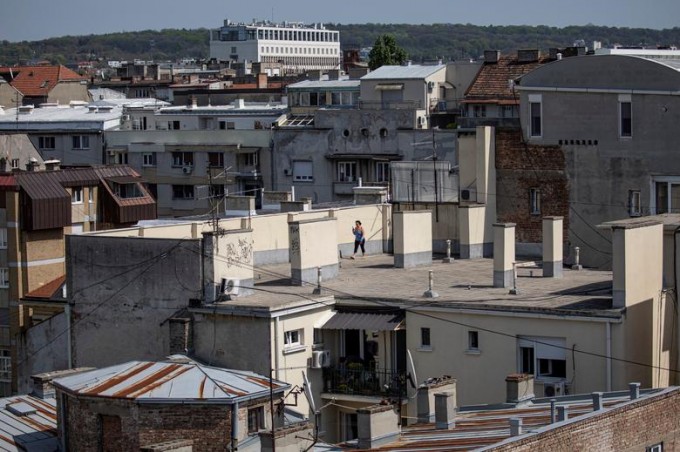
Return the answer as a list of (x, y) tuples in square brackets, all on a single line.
[(359, 239)]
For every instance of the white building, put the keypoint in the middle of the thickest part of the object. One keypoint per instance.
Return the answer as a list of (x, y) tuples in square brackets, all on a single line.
[(297, 47)]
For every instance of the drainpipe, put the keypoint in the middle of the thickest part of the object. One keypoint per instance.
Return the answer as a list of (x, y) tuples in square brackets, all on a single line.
[(69, 353), (276, 348), (609, 356), (234, 426)]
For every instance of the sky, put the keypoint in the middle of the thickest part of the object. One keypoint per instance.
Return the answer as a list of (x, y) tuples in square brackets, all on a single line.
[(39, 19)]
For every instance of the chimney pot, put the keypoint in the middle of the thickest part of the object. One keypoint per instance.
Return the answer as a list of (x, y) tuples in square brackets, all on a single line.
[(597, 401), (562, 413), (515, 426), (634, 390)]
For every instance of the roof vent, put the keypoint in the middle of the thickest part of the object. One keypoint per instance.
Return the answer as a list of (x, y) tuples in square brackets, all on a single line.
[(527, 56), (492, 56), (21, 409), (26, 109)]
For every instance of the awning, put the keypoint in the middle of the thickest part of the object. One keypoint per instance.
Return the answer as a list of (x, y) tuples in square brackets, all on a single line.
[(446, 85), (364, 321), (389, 86)]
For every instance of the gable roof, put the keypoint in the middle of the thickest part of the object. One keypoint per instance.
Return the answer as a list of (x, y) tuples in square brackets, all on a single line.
[(492, 82), (39, 80), (169, 381)]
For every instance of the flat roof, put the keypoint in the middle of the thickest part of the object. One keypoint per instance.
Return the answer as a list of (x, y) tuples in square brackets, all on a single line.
[(465, 284), (403, 72)]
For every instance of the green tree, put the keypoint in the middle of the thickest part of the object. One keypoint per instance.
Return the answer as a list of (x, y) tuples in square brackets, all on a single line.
[(386, 51)]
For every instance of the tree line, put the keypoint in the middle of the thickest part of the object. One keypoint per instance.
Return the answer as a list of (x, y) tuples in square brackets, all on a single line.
[(422, 42)]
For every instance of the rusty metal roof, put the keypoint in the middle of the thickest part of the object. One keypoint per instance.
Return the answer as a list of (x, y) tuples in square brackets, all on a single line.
[(158, 382), (28, 423)]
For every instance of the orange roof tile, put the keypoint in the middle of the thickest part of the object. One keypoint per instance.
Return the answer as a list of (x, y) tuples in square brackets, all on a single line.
[(47, 290), (492, 83), (39, 80)]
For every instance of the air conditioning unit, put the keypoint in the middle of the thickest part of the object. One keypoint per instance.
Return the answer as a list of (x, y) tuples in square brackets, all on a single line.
[(430, 86), (187, 169), (125, 118), (468, 194), (554, 389), (229, 286), (320, 358)]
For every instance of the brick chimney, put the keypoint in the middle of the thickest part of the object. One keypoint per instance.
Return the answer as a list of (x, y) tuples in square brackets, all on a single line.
[(492, 56), (444, 410), (262, 81), (42, 383)]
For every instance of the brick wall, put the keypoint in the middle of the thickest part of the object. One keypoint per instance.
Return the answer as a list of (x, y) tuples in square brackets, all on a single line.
[(520, 167), (629, 428), (209, 426)]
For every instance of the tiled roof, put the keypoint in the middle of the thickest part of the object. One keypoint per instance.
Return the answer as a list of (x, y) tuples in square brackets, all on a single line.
[(48, 290), (492, 81), (39, 80)]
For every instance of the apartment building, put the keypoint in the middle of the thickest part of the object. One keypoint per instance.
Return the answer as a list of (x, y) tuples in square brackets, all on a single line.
[(192, 157), (616, 161), (37, 85), (295, 47), (39, 209), (71, 133)]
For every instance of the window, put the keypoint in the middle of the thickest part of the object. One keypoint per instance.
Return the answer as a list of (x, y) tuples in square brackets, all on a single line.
[(625, 116), (4, 277), (347, 171), (90, 195), (425, 340), (216, 159), (655, 448), (543, 357), (292, 338), (5, 365), (127, 191), (121, 158), (302, 171), (3, 238), (77, 195), (149, 159), (508, 111), (255, 419), (667, 195), (473, 340), (182, 192), (173, 125), (479, 111), (182, 159), (81, 142), (46, 143), (534, 201), (535, 119), (14, 163), (382, 171), (634, 207), (249, 159)]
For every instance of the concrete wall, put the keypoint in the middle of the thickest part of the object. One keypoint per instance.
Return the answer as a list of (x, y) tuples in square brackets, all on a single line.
[(601, 166), (121, 290), (313, 245), (65, 92), (42, 348), (481, 374)]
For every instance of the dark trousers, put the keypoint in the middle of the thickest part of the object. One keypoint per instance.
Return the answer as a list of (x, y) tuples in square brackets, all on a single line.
[(359, 243)]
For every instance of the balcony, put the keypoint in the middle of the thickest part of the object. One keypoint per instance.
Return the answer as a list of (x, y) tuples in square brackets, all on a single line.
[(354, 379)]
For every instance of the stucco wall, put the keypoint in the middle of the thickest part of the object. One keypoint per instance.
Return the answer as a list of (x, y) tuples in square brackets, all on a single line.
[(42, 348)]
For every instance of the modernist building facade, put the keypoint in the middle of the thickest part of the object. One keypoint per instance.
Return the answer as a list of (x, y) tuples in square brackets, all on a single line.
[(295, 46)]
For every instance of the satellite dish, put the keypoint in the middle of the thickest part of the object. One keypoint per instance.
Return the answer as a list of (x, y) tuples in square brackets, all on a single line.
[(307, 389), (411, 373)]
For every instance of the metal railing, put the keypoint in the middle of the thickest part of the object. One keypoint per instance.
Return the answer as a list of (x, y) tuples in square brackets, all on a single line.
[(356, 380)]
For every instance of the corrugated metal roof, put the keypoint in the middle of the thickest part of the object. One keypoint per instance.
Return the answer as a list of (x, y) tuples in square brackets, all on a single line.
[(403, 72), (168, 381), (35, 430), (363, 321)]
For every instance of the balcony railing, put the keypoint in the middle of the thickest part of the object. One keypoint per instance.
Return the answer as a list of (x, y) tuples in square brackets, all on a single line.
[(356, 380)]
